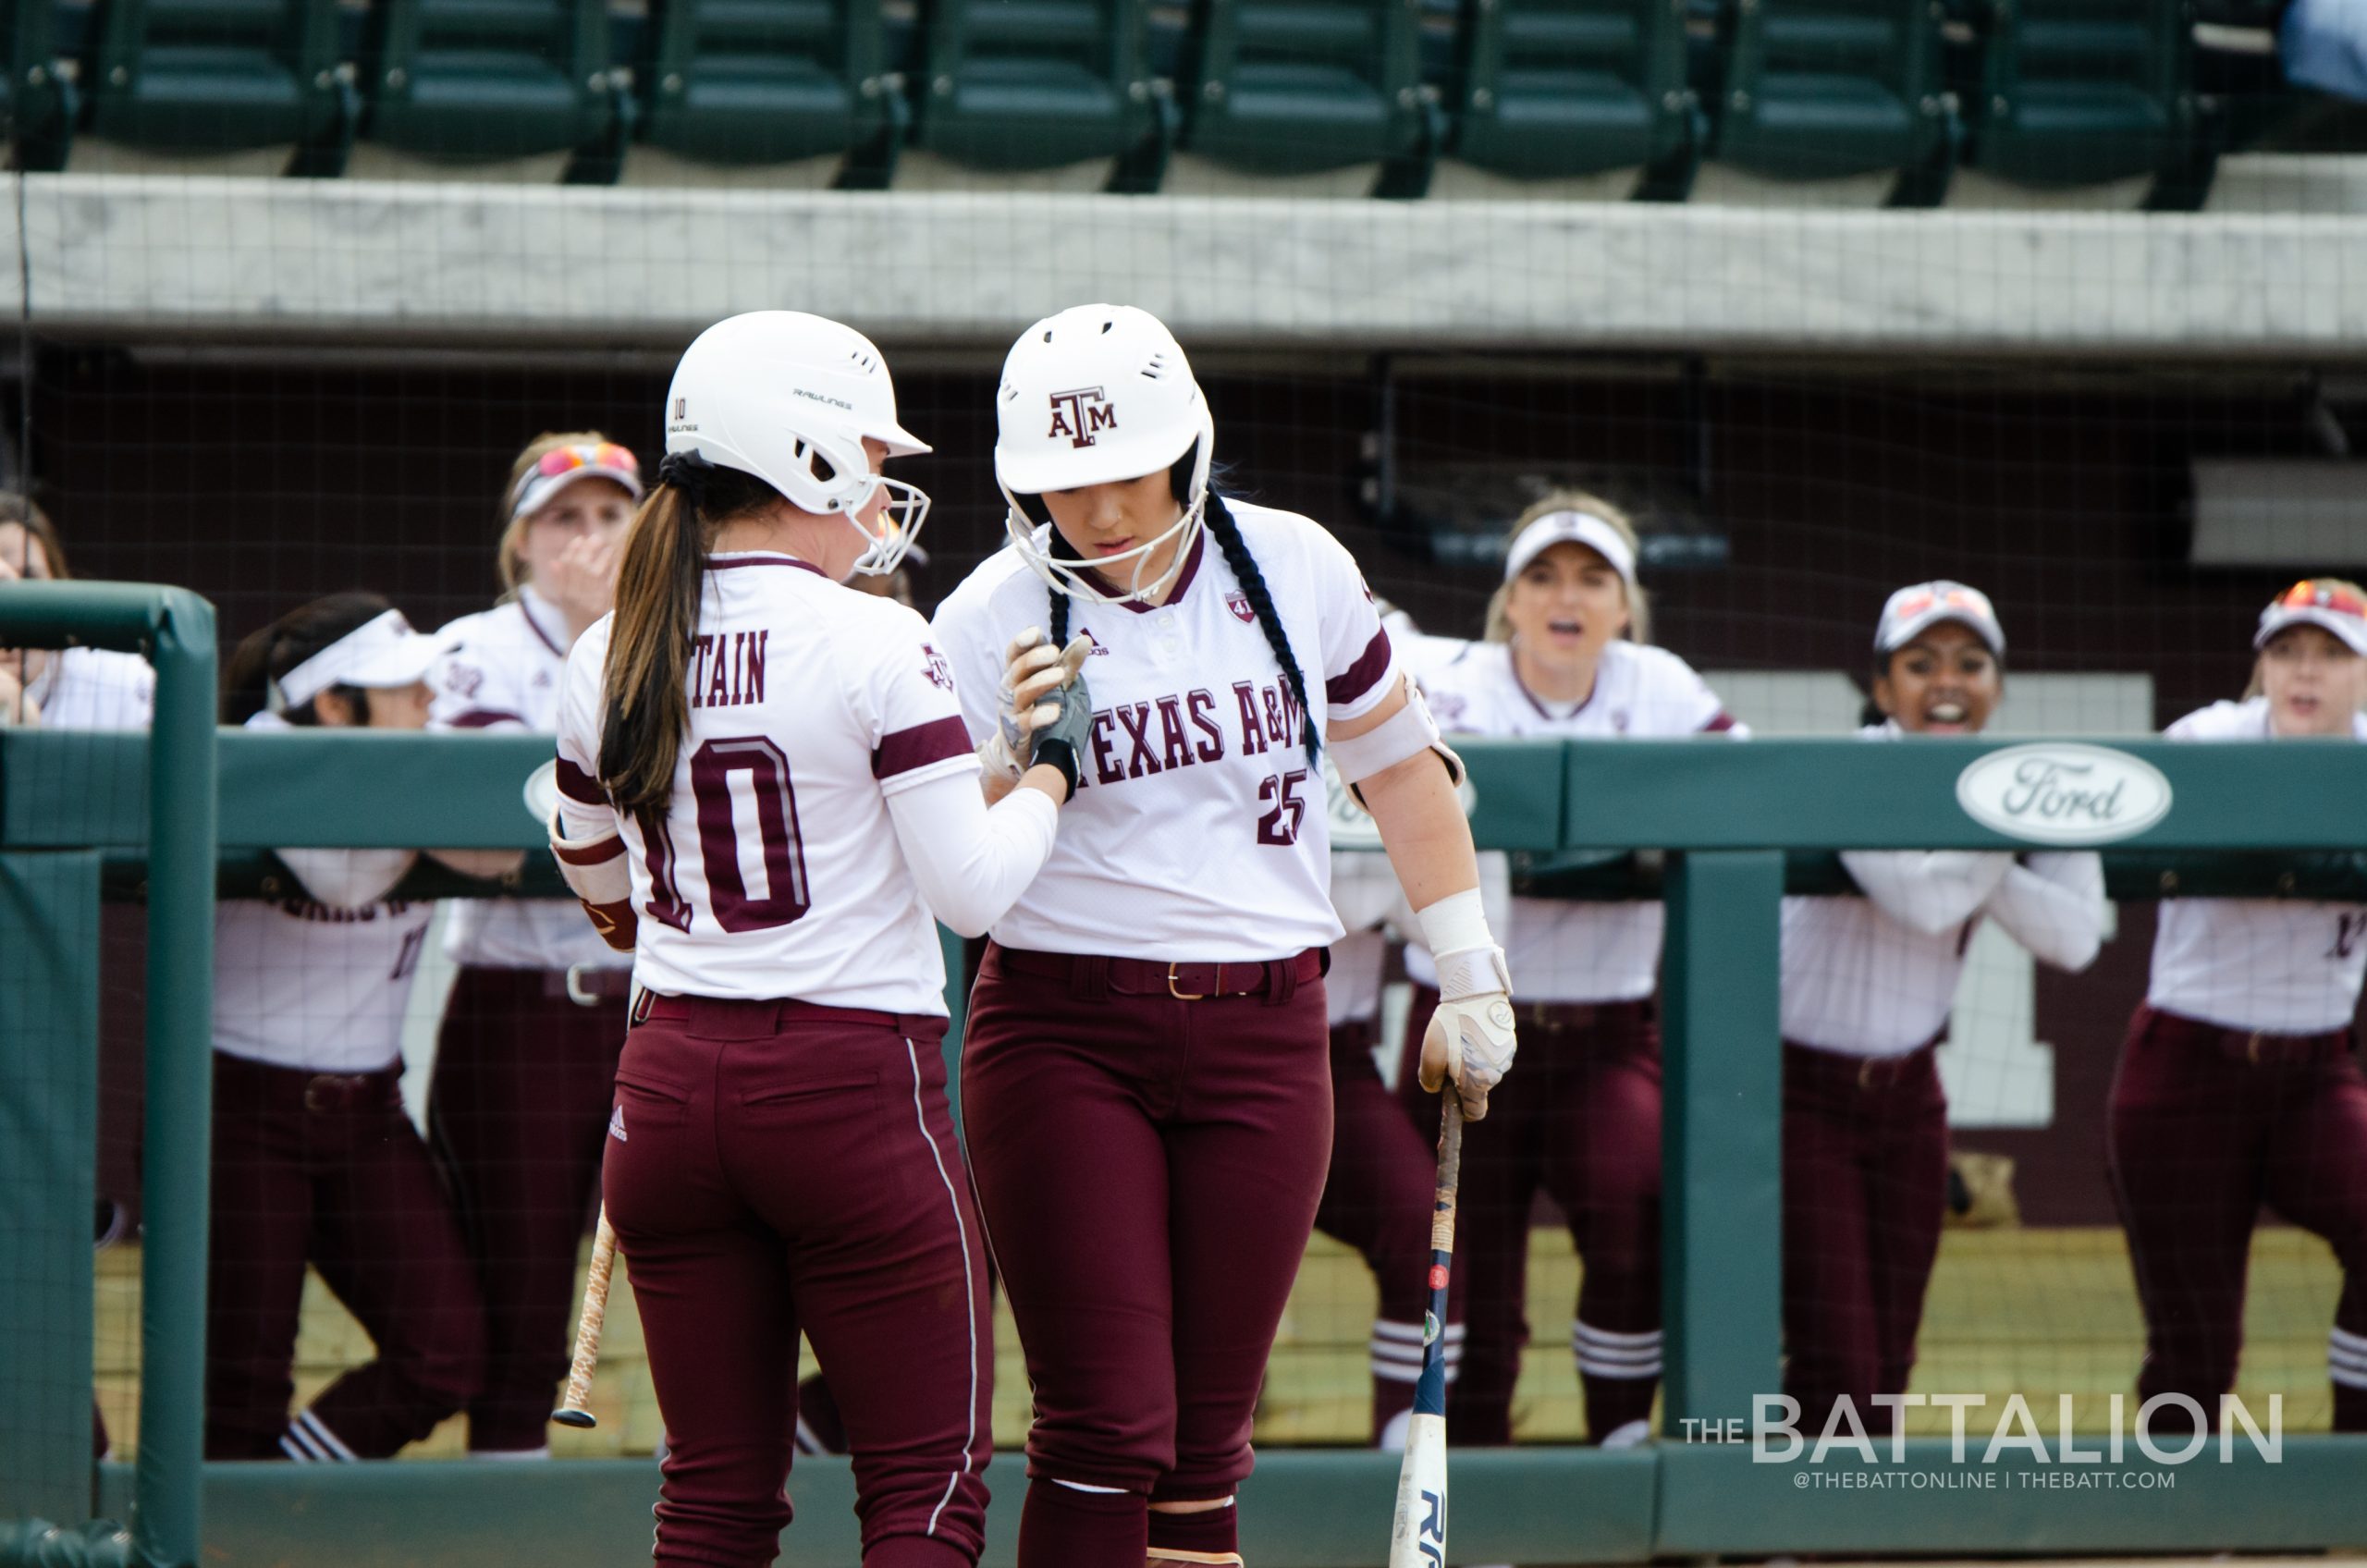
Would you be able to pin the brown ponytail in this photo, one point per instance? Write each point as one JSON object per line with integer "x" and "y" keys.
{"x": 646, "y": 687}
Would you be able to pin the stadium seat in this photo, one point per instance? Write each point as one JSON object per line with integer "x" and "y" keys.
{"x": 1030, "y": 84}
{"x": 771, "y": 81}
{"x": 480, "y": 79}
{"x": 218, "y": 76}
{"x": 1283, "y": 87}
{"x": 2080, "y": 91}
{"x": 37, "y": 102}
{"x": 1548, "y": 89}
{"x": 1818, "y": 89}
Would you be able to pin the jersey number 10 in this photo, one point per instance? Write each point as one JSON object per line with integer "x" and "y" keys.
{"x": 712, "y": 766}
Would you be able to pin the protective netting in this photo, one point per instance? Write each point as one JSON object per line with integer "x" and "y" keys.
{"x": 2129, "y": 431}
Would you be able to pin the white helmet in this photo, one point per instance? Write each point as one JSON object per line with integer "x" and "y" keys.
{"x": 789, "y": 397}
{"x": 1095, "y": 393}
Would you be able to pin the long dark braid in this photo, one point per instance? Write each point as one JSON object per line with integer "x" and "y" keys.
{"x": 1218, "y": 519}
{"x": 1227, "y": 533}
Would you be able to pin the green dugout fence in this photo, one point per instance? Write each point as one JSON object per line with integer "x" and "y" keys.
{"x": 1726, "y": 826}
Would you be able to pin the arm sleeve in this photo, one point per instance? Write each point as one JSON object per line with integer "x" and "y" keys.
{"x": 1929, "y": 892}
{"x": 906, "y": 697}
{"x": 1359, "y": 666}
{"x": 2054, "y": 904}
{"x": 583, "y": 808}
{"x": 348, "y": 878}
{"x": 970, "y": 861}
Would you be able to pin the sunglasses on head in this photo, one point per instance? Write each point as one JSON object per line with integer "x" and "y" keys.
{"x": 567, "y": 460}
{"x": 2313, "y": 594}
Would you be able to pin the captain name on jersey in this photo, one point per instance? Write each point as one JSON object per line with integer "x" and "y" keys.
{"x": 313, "y": 908}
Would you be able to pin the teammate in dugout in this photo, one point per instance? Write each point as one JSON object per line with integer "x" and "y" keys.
{"x": 1566, "y": 654}
{"x": 1145, "y": 1097}
{"x": 1868, "y": 983}
{"x": 2238, "y": 1082}
{"x": 527, "y": 1055}
{"x": 766, "y": 789}
{"x": 313, "y": 1157}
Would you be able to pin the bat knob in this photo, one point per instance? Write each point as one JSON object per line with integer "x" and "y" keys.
{"x": 571, "y": 1417}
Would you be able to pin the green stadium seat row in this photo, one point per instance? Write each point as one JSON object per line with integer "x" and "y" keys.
{"x": 2056, "y": 93}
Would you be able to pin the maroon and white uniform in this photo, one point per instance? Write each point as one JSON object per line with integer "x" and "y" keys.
{"x": 526, "y": 1057}
{"x": 2239, "y": 1085}
{"x": 315, "y": 1161}
{"x": 1585, "y": 1127}
{"x": 1381, "y": 1188}
{"x": 781, "y": 1156}
{"x": 1869, "y": 981}
{"x": 1146, "y": 1098}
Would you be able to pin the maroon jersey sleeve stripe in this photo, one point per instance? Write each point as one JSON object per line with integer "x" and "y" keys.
{"x": 938, "y": 740}
{"x": 590, "y": 855}
{"x": 477, "y": 718}
{"x": 579, "y": 786}
{"x": 1361, "y": 676}
{"x": 1725, "y": 721}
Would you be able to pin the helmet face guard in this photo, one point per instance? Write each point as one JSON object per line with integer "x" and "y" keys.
{"x": 792, "y": 399}
{"x": 1099, "y": 394}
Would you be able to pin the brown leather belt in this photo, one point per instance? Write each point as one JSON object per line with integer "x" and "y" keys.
{"x": 1091, "y": 974}
{"x": 2257, "y": 1047}
{"x": 1864, "y": 1072}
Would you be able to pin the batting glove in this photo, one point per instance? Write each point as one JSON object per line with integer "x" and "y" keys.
{"x": 1469, "y": 1040}
{"x": 1034, "y": 671}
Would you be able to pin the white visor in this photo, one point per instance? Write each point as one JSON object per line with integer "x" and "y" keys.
{"x": 1596, "y": 533}
{"x": 378, "y": 654}
{"x": 2351, "y": 629}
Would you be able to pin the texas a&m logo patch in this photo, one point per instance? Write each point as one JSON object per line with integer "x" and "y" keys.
{"x": 1081, "y": 415}
{"x": 1238, "y": 603}
{"x": 940, "y": 673}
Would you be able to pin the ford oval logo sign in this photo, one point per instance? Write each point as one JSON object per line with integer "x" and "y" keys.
{"x": 2060, "y": 792}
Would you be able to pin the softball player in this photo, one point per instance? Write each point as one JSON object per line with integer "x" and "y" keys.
{"x": 1145, "y": 1097}
{"x": 2238, "y": 1084}
{"x": 1868, "y": 983}
{"x": 766, "y": 788}
{"x": 62, "y": 688}
{"x": 526, "y": 1060}
{"x": 313, "y": 1159}
{"x": 1564, "y": 656}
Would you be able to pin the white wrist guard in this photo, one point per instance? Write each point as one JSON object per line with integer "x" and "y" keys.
{"x": 1409, "y": 732}
{"x": 595, "y": 869}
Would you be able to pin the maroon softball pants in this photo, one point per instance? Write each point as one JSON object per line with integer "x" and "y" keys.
{"x": 326, "y": 1167}
{"x": 516, "y": 1112}
{"x": 775, "y": 1167}
{"x": 1865, "y": 1187}
{"x": 1579, "y": 1119}
{"x": 1149, "y": 1169}
{"x": 1378, "y": 1196}
{"x": 2206, "y": 1125}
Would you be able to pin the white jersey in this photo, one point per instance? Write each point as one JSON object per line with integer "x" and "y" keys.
{"x": 95, "y": 689}
{"x": 1563, "y": 949}
{"x": 500, "y": 669}
{"x": 776, "y": 872}
{"x": 318, "y": 980}
{"x": 1875, "y": 974}
{"x": 1199, "y": 830}
{"x": 2283, "y": 966}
